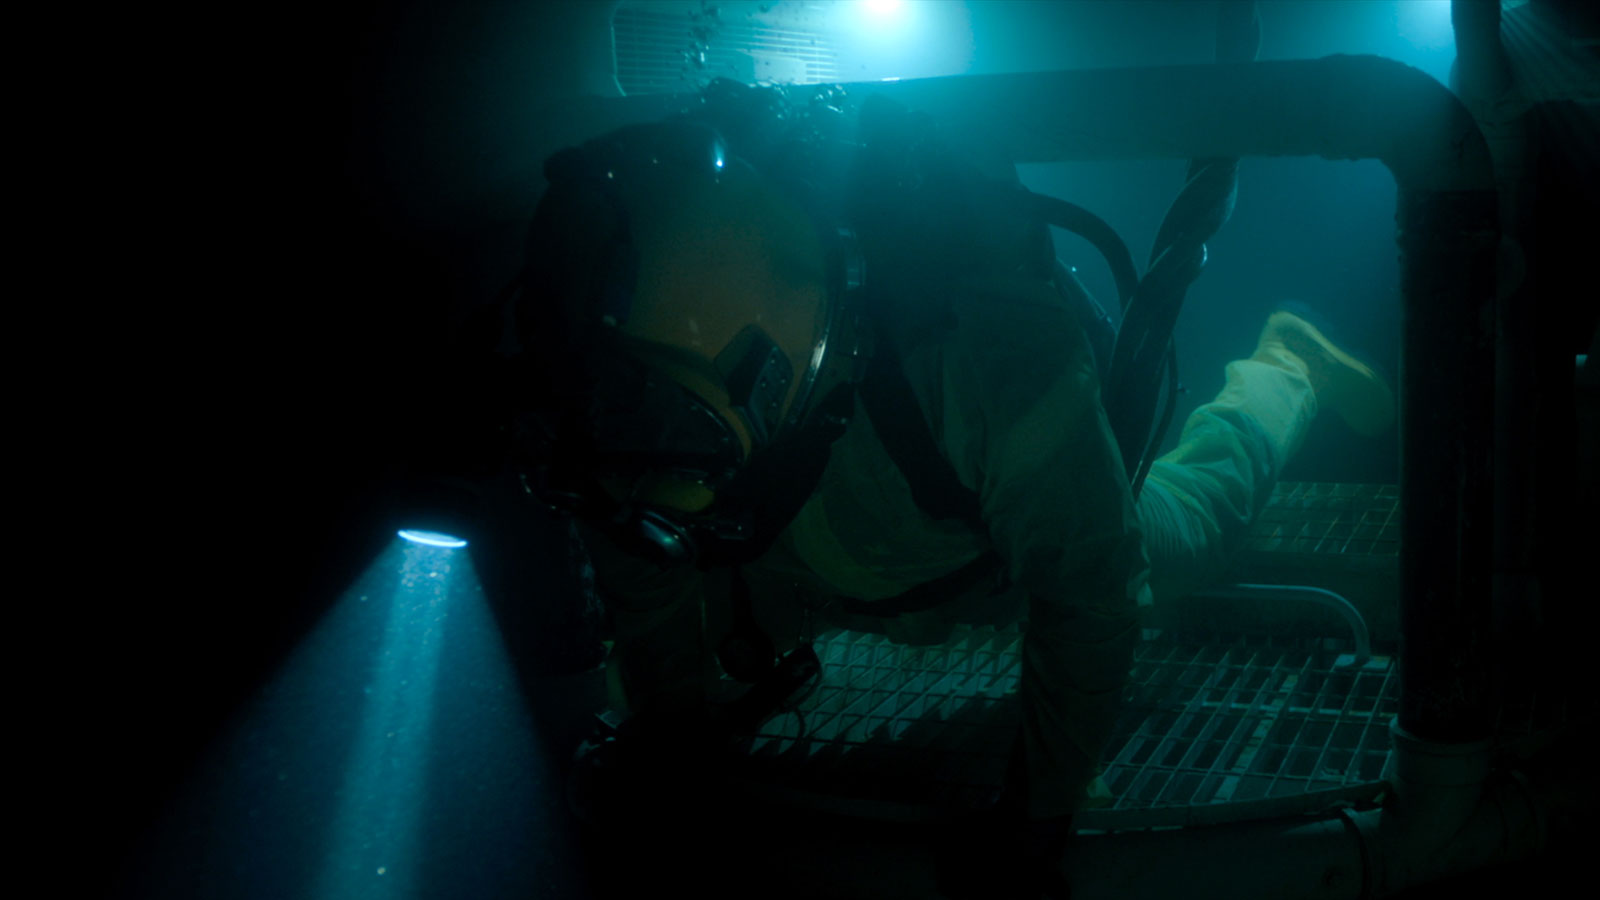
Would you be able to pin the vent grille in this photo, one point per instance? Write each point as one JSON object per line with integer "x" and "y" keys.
{"x": 662, "y": 52}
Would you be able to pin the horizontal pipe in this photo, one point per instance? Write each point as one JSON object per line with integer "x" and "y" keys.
{"x": 1299, "y": 858}
{"x": 1365, "y": 854}
{"x": 1446, "y": 812}
{"x": 1338, "y": 107}
{"x": 1202, "y": 815}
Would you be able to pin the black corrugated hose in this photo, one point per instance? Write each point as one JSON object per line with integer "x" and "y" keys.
{"x": 1144, "y": 349}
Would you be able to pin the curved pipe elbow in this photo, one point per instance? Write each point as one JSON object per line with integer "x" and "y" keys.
{"x": 1419, "y": 129}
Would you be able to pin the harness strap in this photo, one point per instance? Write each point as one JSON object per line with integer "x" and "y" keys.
{"x": 900, "y": 425}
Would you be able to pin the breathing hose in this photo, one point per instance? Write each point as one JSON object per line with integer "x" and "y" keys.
{"x": 1144, "y": 345}
{"x": 1092, "y": 228}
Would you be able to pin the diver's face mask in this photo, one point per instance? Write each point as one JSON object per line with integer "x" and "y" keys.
{"x": 689, "y": 377}
{"x": 648, "y": 458}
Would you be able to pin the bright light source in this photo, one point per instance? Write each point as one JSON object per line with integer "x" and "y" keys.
{"x": 433, "y": 538}
{"x": 1425, "y": 23}
{"x": 881, "y": 23}
{"x": 878, "y": 38}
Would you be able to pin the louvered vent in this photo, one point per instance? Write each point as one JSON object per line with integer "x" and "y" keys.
{"x": 674, "y": 52}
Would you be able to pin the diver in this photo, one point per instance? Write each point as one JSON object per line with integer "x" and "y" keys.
{"x": 794, "y": 370}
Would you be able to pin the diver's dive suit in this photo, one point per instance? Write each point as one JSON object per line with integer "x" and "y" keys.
{"x": 1011, "y": 396}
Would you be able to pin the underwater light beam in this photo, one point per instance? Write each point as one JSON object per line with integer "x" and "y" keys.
{"x": 378, "y": 828}
{"x": 327, "y": 783}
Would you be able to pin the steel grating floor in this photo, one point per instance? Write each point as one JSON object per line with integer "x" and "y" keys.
{"x": 1217, "y": 726}
{"x": 1329, "y": 519}
{"x": 915, "y": 733}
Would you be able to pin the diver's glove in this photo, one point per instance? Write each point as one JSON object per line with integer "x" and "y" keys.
{"x": 1001, "y": 855}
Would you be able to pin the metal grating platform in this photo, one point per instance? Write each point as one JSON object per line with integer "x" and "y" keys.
{"x": 1228, "y": 716}
{"x": 1340, "y": 537}
{"x": 1329, "y": 519}
{"x": 915, "y": 733}
{"x": 1224, "y": 724}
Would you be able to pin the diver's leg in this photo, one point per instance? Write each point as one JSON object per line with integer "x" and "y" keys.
{"x": 1199, "y": 500}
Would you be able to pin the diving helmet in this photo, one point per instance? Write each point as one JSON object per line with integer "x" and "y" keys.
{"x": 690, "y": 327}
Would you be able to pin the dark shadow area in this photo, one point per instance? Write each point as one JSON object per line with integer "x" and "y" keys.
{"x": 328, "y": 271}
{"x": 256, "y": 814}
{"x": 737, "y": 839}
{"x": 524, "y": 684}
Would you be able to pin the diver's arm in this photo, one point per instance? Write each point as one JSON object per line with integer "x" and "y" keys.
{"x": 1022, "y": 422}
{"x": 650, "y": 759}
{"x": 1081, "y": 564}
{"x": 658, "y": 663}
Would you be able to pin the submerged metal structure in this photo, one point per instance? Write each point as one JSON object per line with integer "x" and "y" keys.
{"x": 1443, "y": 811}
{"x": 1449, "y": 808}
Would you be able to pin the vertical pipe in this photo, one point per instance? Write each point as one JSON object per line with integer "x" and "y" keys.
{"x": 1447, "y": 244}
{"x": 1482, "y": 78}
{"x": 1481, "y": 68}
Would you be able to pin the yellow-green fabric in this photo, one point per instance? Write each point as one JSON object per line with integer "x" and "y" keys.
{"x": 1199, "y": 500}
{"x": 1011, "y": 396}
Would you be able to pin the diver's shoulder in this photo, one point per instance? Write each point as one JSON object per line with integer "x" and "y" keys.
{"x": 1001, "y": 312}
{"x": 1000, "y": 339}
